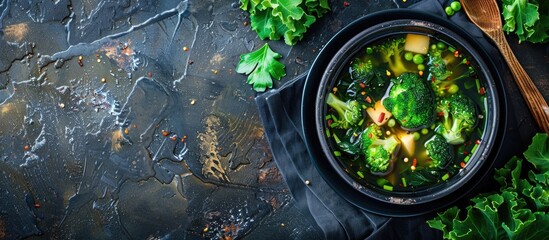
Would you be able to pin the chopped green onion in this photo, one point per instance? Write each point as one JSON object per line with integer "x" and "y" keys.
{"x": 477, "y": 81}
{"x": 364, "y": 106}
{"x": 369, "y": 50}
{"x": 381, "y": 181}
{"x": 445, "y": 177}
{"x": 360, "y": 174}
{"x": 474, "y": 148}
{"x": 328, "y": 134}
{"x": 337, "y": 153}
{"x": 361, "y": 122}
{"x": 388, "y": 188}
{"x": 467, "y": 158}
{"x": 404, "y": 182}
{"x": 334, "y": 124}
{"x": 336, "y": 138}
{"x": 451, "y": 49}
{"x": 328, "y": 117}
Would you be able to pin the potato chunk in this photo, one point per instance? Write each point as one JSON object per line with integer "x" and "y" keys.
{"x": 417, "y": 43}
{"x": 379, "y": 114}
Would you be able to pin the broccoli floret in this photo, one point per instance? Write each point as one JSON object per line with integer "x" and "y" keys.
{"x": 411, "y": 101}
{"x": 349, "y": 113}
{"x": 437, "y": 67}
{"x": 440, "y": 152}
{"x": 440, "y": 76}
{"x": 391, "y": 53}
{"x": 378, "y": 152}
{"x": 459, "y": 115}
{"x": 360, "y": 69}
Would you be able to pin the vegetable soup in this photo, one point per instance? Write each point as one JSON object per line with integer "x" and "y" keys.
{"x": 408, "y": 114}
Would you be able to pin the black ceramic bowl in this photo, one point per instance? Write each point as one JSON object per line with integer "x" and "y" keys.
{"x": 323, "y": 76}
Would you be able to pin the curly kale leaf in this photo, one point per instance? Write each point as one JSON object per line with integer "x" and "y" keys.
{"x": 518, "y": 211}
{"x": 288, "y": 19}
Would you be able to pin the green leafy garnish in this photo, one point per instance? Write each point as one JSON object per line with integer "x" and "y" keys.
{"x": 290, "y": 19}
{"x": 261, "y": 66}
{"x": 528, "y": 19}
{"x": 517, "y": 211}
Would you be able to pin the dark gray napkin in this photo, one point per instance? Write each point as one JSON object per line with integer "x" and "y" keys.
{"x": 337, "y": 218}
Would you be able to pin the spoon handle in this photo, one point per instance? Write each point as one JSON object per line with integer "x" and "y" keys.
{"x": 535, "y": 101}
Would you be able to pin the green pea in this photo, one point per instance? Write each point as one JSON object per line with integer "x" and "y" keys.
{"x": 433, "y": 47}
{"x": 369, "y": 50}
{"x": 416, "y": 136}
{"x": 456, "y": 6}
{"x": 441, "y": 45}
{"x": 453, "y": 89}
{"x": 420, "y": 67}
{"x": 424, "y": 131}
{"x": 449, "y": 11}
{"x": 418, "y": 59}
{"x": 391, "y": 122}
{"x": 408, "y": 56}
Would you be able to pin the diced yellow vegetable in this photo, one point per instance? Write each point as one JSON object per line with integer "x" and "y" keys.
{"x": 407, "y": 143}
{"x": 417, "y": 43}
{"x": 379, "y": 114}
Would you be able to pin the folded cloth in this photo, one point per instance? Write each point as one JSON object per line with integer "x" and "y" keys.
{"x": 337, "y": 218}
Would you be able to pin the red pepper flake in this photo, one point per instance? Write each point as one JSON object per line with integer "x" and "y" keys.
{"x": 184, "y": 136}
{"x": 330, "y": 121}
{"x": 433, "y": 79}
{"x": 381, "y": 117}
{"x": 414, "y": 162}
{"x": 462, "y": 164}
{"x": 363, "y": 93}
{"x": 164, "y": 133}
{"x": 37, "y": 205}
{"x": 368, "y": 99}
{"x": 481, "y": 91}
{"x": 245, "y": 24}
{"x": 26, "y": 147}
{"x": 369, "y": 135}
{"x": 436, "y": 64}
{"x": 346, "y": 4}
{"x": 149, "y": 74}
{"x": 465, "y": 152}
{"x": 440, "y": 114}
{"x": 362, "y": 85}
{"x": 185, "y": 49}
{"x": 477, "y": 142}
{"x": 191, "y": 62}
{"x": 174, "y": 137}
{"x": 80, "y": 63}
{"x": 467, "y": 63}
{"x": 456, "y": 53}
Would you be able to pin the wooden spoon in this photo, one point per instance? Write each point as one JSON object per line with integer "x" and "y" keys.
{"x": 486, "y": 15}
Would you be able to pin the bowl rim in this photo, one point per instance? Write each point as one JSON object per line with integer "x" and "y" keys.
{"x": 391, "y": 204}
